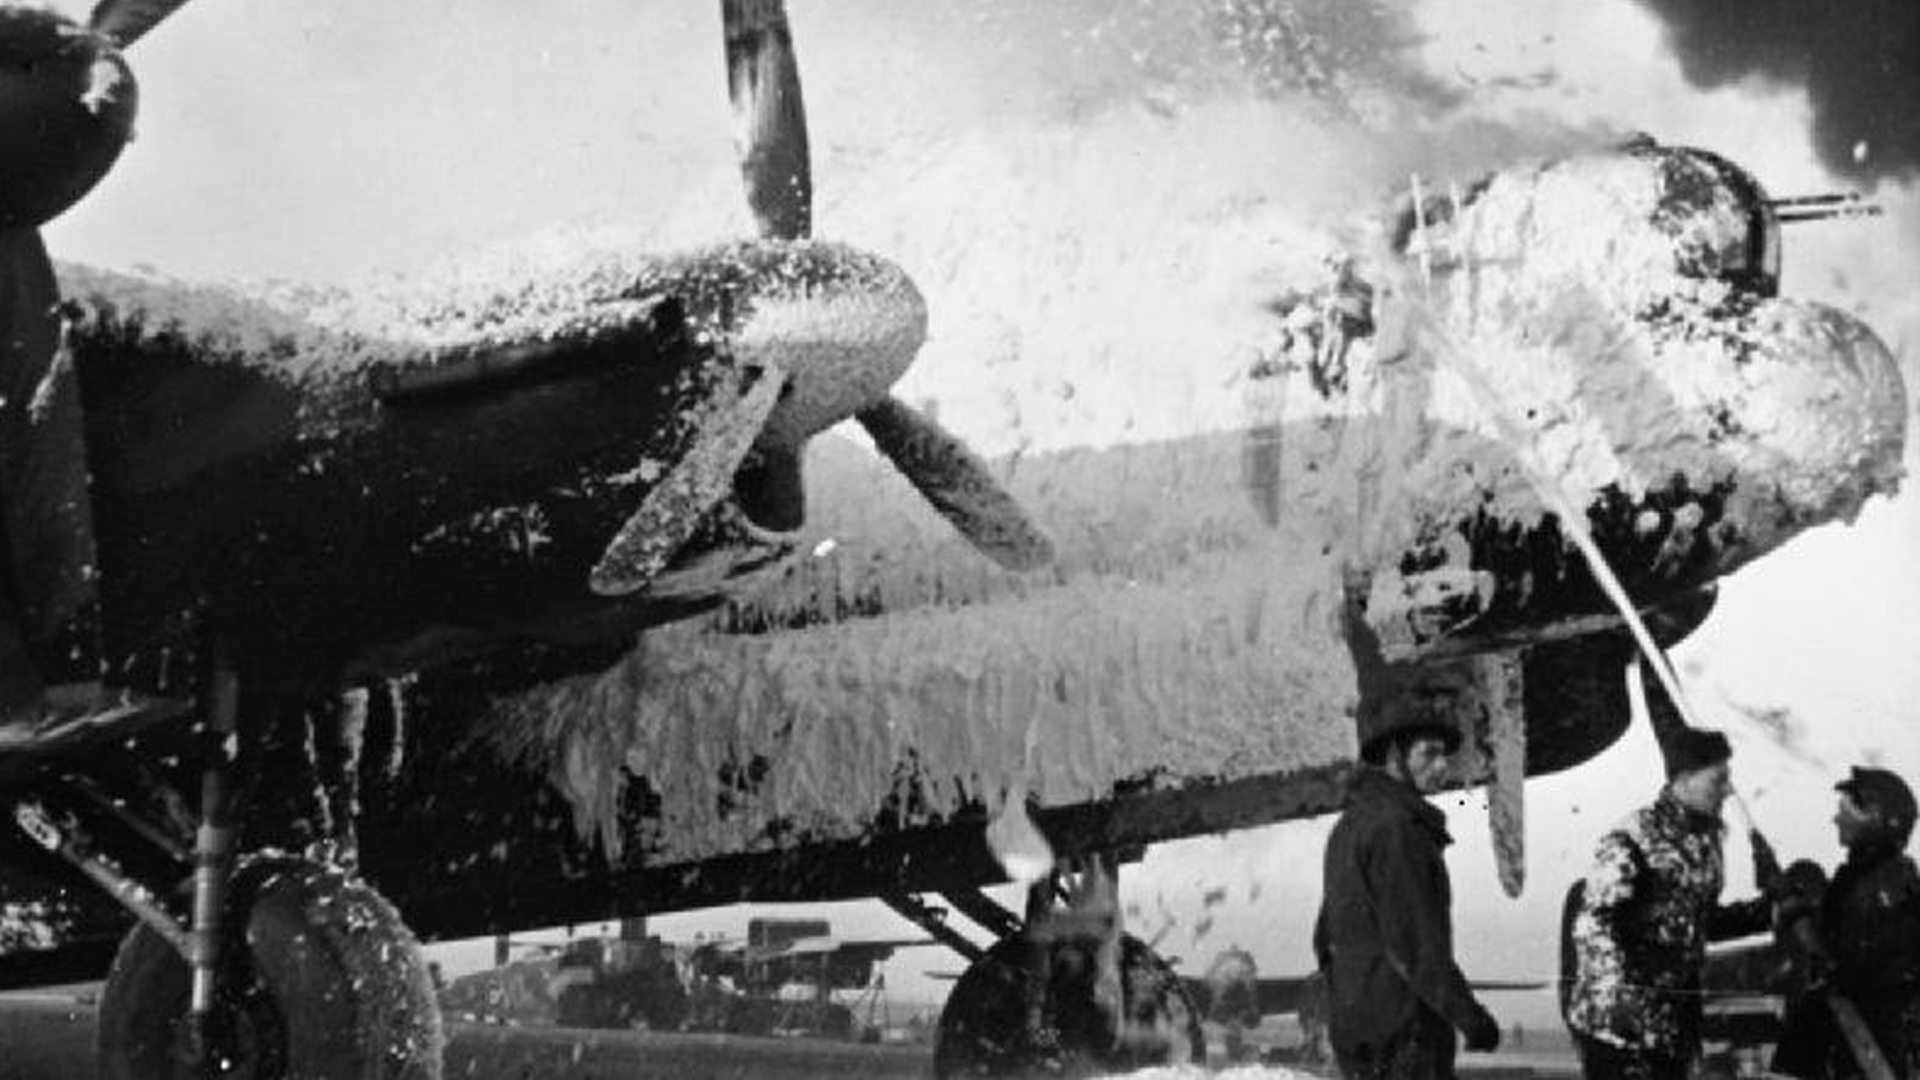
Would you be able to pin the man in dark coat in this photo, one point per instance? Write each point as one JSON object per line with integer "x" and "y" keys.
{"x": 1865, "y": 943}
{"x": 1640, "y": 927}
{"x": 1384, "y": 937}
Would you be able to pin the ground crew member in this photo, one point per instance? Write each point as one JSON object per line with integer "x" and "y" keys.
{"x": 1866, "y": 940}
{"x": 1384, "y": 937}
{"x": 1639, "y": 928}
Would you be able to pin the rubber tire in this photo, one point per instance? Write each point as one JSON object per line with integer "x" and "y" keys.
{"x": 330, "y": 986}
{"x": 982, "y": 1028}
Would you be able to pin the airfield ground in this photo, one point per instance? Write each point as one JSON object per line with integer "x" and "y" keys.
{"x": 49, "y": 1036}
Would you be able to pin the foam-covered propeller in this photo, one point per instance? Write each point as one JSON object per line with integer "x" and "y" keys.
{"x": 675, "y": 507}
{"x": 957, "y": 483}
{"x": 770, "y": 123}
{"x": 763, "y": 79}
{"x": 748, "y": 435}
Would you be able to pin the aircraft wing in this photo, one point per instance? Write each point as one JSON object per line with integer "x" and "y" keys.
{"x": 1190, "y": 628}
{"x": 1272, "y": 996}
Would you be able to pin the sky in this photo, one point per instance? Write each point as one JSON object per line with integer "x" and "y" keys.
{"x": 1074, "y": 187}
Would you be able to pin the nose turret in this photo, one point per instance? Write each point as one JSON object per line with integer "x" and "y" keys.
{"x": 1602, "y": 334}
{"x": 1721, "y": 221}
{"x": 1640, "y": 227}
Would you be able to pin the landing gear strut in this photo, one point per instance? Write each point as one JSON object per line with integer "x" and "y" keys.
{"x": 281, "y": 967}
{"x": 320, "y": 979}
{"x": 212, "y": 870}
{"x": 1069, "y": 993}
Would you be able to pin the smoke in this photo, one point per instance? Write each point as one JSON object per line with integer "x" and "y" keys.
{"x": 1859, "y": 63}
{"x": 1085, "y": 189}
{"x": 1076, "y": 59}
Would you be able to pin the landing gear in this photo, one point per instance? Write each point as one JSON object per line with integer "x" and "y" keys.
{"x": 986, "y": 1028}
{"x": 321, "y": 980}
{"x": 1068, "y": 993}
{"x": 265, "y": 968}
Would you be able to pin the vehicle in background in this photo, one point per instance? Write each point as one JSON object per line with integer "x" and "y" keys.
{"x": 789, "y": 977}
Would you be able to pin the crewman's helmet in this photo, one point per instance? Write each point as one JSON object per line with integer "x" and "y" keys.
{"x": 1885, "y": 795}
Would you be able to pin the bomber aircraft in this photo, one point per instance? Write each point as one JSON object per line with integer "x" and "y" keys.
{"x": 454, "y": 614}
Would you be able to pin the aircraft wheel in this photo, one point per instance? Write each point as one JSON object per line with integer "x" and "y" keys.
{"x": 984, "y": 1029}
{"x": 326, "y": 984}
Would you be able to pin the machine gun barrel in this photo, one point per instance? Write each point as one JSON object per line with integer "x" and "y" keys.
{"x": 1820, "y": 207}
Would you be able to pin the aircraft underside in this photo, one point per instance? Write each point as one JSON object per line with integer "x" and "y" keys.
{"x": 430, "y": 613}
{"x": 854, "y": 723}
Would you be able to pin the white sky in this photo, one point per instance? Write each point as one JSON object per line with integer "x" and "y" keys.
{"x": 329, "y": 141}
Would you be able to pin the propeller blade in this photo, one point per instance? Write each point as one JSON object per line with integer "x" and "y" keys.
{"x": 124, "y": 22}
{"x": 675, "y": 507}
{"x": 958, "y": 485}
{"x": 47, "y": 519}
{"x": 728, "y": 553}
{"x": 770, "y": 124}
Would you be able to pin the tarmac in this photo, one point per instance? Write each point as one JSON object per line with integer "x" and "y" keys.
{"x": 51, "y": 1036}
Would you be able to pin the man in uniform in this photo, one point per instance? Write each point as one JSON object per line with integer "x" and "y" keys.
{"x": 1865, "y": 940}
{"x": 1384, "y": 937}
{"x": 1640, "y": 927}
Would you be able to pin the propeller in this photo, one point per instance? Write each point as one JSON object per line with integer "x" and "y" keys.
{"x": 675, "y": 507}
{"x": 124, "y": 22}
{"x": 46, "y": 528}
{"x": 740, "y": 461}
{"x": 957, "y": 483}
{"x": 67, "y": 102}
{"x": 763, "y": 79}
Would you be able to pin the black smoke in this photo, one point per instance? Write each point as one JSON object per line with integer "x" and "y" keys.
{"x": 1859, "y": 61}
